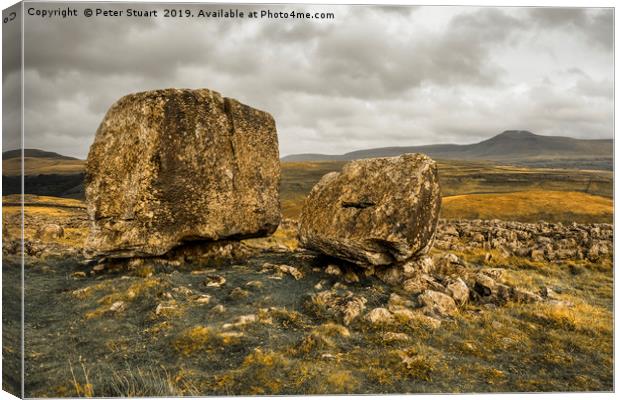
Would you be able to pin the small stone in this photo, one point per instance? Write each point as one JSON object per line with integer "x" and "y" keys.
{"x": 50, "y": 232}
{"x": 485, "y": 285}
{"x": 255, "y": 284}
{"x": 478, "y": 237}
{"x": 525, "y": 296}
{"x": 392, "y": 275}
{"x": 165, "y": 308}
{"x": 99, "y": 267}
{"x": 202, "y": 271}
{"x": 459, "y": 291}
{"x": 241, "y": 321}
{"x": 351, "y": 277}
{"x": 333, "y": 270}
{"x": 537, "y": 255}
{"x": 185, "y": 291}
{"x": 411, "y": 318}
{"x": 78, "y": 274}
{"x": 414, "y": 286}
{"x": 549, "y": 293}
{"x": 203, "y": 299}
{"x": 398, "y": 302}
{"x": 229, "y": 337}
{"x": 319, "y": 285}
{"x": 118, "y": 306}
{"x": 215, "y": 281}
{"x": 294, "y": 272}
{"x": 220, "y": 309}
{"x": 438, "y": 303}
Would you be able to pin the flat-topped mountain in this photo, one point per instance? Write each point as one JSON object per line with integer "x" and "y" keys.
{"x": 514, "y": 146}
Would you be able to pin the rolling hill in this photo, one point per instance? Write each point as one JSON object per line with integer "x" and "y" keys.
{"x": 39, "y": 162}
{"x": 512, "y": 147}
{"x": 36, "y": 153}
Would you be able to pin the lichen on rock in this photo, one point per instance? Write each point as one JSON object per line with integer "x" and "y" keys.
{"x": 375, "y": 212}
{"x": 178, "y": 165}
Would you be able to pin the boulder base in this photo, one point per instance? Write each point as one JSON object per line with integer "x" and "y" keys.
{"x": 172, "y": 166}
{"x": 377, "y": 211}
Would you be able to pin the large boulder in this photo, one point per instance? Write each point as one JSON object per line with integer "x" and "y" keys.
{"x": 377, "y": 211}
{"x": 177, "y": 165}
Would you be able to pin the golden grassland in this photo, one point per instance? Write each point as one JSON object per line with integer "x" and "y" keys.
{"x": 469, "y": 178}
{"x": 516, "y": 347}
{"x": 530, "y": 206}
{"x": 42, "y": 165}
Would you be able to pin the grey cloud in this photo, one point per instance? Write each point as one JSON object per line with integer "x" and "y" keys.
{"x": 374, "y": 76}
{"x": 596, "y": 25}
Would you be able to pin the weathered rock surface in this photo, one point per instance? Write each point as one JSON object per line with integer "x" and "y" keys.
{"x": 172, "y": 166}
{"x": 543, "y": 241}
{"x": 377, "y": 211}
{"x": 50, "y": 232}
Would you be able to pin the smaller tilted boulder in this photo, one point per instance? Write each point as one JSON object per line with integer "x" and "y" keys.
{"x": 375, "y": 212}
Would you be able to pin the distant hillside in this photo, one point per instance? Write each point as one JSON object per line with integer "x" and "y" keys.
{"x": 35, "y": 153}
{"x": 518, "y": 147}
{"x": 40, "y": 162}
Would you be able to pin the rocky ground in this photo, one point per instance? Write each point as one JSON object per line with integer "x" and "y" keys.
{"x": 500, "y": 306}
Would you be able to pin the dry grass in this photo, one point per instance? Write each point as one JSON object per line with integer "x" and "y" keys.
{"x": 531, "y": 206}
{"x": 42, "y": 165}
{"x": 196, "y": 339}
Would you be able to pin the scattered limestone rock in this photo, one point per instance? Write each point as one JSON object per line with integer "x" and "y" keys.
{"x": 525, "y": 296}
{"x": 203, "y": 299}
{"x": 333, "y": 270}
{"x": 392, "y": 275}
{"x": 241, "y": 321}
{"x": 351, "y": 277}
{"x": 330, "y": 303}
{"x": 255, "y": 284}
{"x": 50, "y": 232}
{"x": 176, "y": 165}
{"x": 215, "y": 281}
{"x": 166, "y": 308}
{"x": 397, "y": 302}
{"x": 294, "y": 272}
{"x": 118, "y": 306}
{"x": 220, "y": 309}
{"x": 437, "y": 303}
{"x": 416, "y": 318}
{"x": 280, "y": 270}
{"x": 78, "y": 274}
{"x": 377, "y": 211}
{"x": 459, "y": 291}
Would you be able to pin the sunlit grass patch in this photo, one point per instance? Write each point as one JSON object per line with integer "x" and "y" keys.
{"x": 530, "y": 206}
{"x": 580, "y": 317}
{"x": 195, "y": 339}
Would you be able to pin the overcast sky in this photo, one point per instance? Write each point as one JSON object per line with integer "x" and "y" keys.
{"x": 372, "y": 77}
